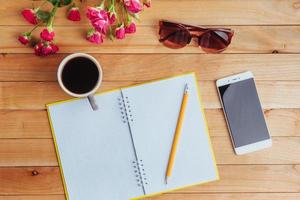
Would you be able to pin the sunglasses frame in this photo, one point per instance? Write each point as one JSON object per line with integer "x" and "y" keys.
{"x": 193, "y": 31}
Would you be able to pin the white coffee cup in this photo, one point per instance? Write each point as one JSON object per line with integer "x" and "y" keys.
{"x": 90, "y": 93}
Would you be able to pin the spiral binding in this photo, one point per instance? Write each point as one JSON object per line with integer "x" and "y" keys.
{"x": 140, "y": 173}
{"x": 125, "y": 109}
{"x": 128, "y": 109}
{"x": 138, "y": 165}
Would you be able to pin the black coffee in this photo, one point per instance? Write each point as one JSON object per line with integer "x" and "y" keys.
{"x": 80, "y": 75}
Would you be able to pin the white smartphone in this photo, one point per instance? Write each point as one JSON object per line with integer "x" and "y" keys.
{"x": 243, "y": 113}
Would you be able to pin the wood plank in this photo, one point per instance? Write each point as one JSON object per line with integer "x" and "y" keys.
{"x": 281, "y": 152}
{"x": 30, "y": 180}
{"x": 255, "y": 12}
{"x": 151, "y": 66}
{"x": 219, "y": 196}
{"x": 37, "y": 197}
{"x": 254, "y": 178}
{"x": 234, "y": 178}
{"x": 24, "y": 124}
{"x": 34, "y": 123}
{"x": 274, "y": 117}
{"x": 247, "y": 39}
{"x": 40, "y": 152}
{"x": 27, "y": 152}
{"x": 230, "y": 196}
{"x": 278, "y": 84}
{"x": 34, "y": 95}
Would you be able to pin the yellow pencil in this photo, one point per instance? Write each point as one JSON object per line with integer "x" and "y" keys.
{"x": 177, "y": 133}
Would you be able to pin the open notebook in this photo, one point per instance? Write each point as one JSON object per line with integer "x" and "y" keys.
{"x": 121, "y": 151}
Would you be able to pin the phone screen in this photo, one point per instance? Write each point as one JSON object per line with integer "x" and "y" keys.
{"x": 243, "y": 112}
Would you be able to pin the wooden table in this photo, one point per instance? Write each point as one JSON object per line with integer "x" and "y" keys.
{"x": 266, "y": 41}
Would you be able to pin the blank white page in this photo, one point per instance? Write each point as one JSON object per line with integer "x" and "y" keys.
{"x": 95, "y": 149}
{"x": 155, "y": 108}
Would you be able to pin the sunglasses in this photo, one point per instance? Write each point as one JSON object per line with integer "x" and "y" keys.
{"x": 211, "y": 40}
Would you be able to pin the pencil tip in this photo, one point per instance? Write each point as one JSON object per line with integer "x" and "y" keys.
{"x": 166, "y": 180}
{"x": 186, "y": 88}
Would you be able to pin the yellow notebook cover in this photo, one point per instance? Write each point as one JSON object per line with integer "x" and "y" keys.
{"x": 138, "y": 171}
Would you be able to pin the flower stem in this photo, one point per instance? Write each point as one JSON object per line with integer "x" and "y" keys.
{"x": 111, "y": 37}
{"x": 34, "y": 27}
{"x": 102, "y": 4}
{"x": 113, "y": 3}
{"x": 52, "y": 15}
{"x": 43, "y": 3}
{"x": 37, "y": 9}
{"x": 111, "y": 7}
{"x": 127, "y": 16}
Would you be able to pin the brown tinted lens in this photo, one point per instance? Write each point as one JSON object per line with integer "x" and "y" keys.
{"x": 174, "y": 37}
{"x": 215, "y": 41}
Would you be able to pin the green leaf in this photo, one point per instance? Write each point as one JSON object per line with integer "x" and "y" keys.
{"x": 43, "y": 15}
{"x": 60, "y": 3}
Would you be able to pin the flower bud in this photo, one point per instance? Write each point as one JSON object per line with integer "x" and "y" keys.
{"x": 112, "y": 17}
{"x": 94, "y": 36}
{"x": 24, "y": 38}
{"x": 131, "y": 28}
{"x": 74, "y": 14}
{"x": 120, "y": 32}
{"x": 133, "y": 6}
{"x": 30, "y": 16}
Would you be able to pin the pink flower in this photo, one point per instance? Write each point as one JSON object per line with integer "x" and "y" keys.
{"x": 92, "y": 13}
{"x": 45, "y": 48}
{"x": 30, "y": 15}
{"x": 38, "y": 49}
{"x": 111, "y": 17}
{"x": 99, "y": 19}
{"x": 147, "y": 3}
{"x": 25, "y": 38}
{"x": 54, "y": 47}
{"x": 94, "y": 36}
{"x": 120, "y": 32}
{"x": 47, "y": 35}
{"x": 74, "y": 14}
{"x": 133, "y": 6}
{"x": 131, "y": 28}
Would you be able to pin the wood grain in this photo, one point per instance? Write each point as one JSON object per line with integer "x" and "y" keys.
{"x": 240, "y": 196}
{"x": 34, "y": 95}
{"x": 27, "y": 152}
{"x": 266, "y": 42}
{"x": 36, "y": 197}
{"x": 152, "y": 66}
{"x": 220, "y": 196}
{"x": 23, "y": 181}
{"x": 254, "y": 178}
{"x": 40, "y": 152}
{"x": 16, "y": 124}
{"x": 211, "y": 12}
{"x": 234, "y": 178}
{"x": 24, "y": 124}
{"x": 281, "y": 152}
{"x": 247, "y": 39}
